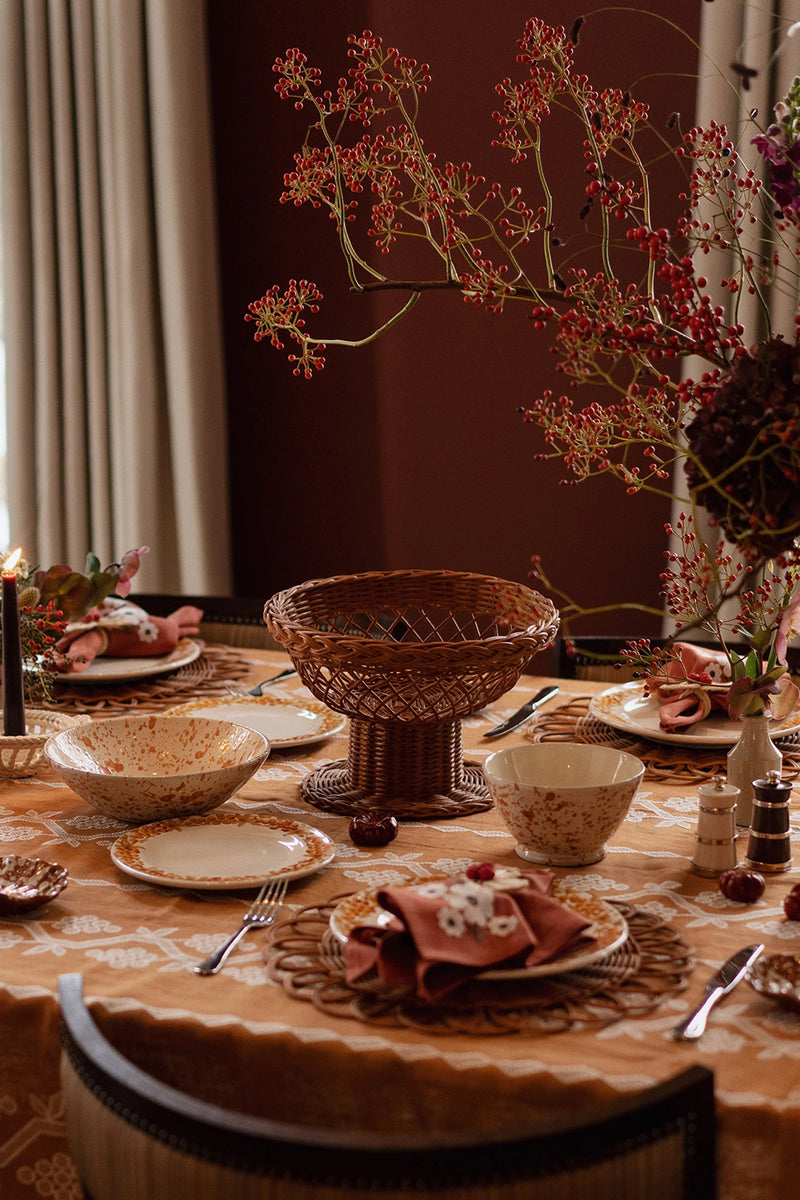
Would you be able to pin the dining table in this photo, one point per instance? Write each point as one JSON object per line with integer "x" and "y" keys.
{"x": 279, "y": 1028}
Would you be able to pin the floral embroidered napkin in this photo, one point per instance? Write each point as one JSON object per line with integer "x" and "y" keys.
{"x": 697, "y": 682}
{"x": 694, "y": 682}
{"x": 445, "y": 932}
{"x": 120, "y": 629}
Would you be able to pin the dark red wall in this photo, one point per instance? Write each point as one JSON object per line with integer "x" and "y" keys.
{"x": 411, "y": 453}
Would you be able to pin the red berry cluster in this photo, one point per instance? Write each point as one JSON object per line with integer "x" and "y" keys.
{"x": 41, "y": 627}
{"x": 615, "y": 325}
{"x": 280, "y": 312}
{"x": 481, "y": 871}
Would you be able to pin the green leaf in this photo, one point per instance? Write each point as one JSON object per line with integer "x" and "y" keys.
{"x": 761, "y": 640}
{"x": 104, "y": 583}
{"x": 752, "y": 665}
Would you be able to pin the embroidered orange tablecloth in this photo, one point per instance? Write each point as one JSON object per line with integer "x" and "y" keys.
{"x": 240, "y": 1038}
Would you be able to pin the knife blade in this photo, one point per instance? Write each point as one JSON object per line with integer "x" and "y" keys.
{"x": 522, "y": 714}
{"x": 721, "y": 982}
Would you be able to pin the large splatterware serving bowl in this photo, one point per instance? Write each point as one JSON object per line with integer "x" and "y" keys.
{"x": 150, "y": 768}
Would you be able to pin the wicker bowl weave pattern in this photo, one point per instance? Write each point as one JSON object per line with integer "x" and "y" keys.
{"x": 21, "y": 755}
{"x": 405, "y": 655}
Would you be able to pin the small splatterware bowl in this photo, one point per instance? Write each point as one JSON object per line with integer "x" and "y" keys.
{"x": 27, "y": 883}
{"x": 150, "y": 768}
{"x": 562, "y": 801}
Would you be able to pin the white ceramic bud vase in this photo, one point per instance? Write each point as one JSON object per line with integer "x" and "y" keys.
{"x": 751, "y": 758}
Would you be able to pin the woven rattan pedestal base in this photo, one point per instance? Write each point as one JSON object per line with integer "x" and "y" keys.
{"x": 415, "y": 771}
{"x": 405, "y": 655}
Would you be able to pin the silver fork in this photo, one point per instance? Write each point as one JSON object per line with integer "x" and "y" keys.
{"x": 259, "y": 688}
{"x": 261, "y": 912}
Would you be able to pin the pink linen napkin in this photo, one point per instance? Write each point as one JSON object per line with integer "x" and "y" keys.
{"x": 117, "y": 628}
{"x": 694, "y": 682}
{"x": 697, "y": 682}
{"x": 445, "y": 932}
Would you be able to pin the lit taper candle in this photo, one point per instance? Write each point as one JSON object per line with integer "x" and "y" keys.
{"x": 13, "y": 693}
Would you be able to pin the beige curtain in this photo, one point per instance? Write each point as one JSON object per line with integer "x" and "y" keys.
{"x": 116, "y": 405}
{"x": 755, "y": 34}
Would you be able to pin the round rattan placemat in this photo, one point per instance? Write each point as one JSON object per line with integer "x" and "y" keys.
{"x": 653, "y": 964}
{"x": 571, "y": 722}
{"x": 216, "y": 671}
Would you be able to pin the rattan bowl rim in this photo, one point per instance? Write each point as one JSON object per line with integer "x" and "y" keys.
{"x": 277, "y": 619}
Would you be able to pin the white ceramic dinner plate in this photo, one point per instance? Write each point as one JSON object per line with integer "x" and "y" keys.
{"x": 222, "y": 850}
{"x": 119, "y": 670}
{"x": 609, "y": 927}
{"x": 285, "y": 723}
{"x": 626, "y": 708}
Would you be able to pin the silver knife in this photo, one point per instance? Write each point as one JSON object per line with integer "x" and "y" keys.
{"x": 522, "y": 714}
{"x": 721, "y": 982}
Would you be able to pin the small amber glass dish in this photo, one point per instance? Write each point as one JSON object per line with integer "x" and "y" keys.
{"x": 27, "y": 883}
{"x": 777, "y": 976}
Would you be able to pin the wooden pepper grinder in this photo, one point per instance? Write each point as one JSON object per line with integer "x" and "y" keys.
{"x": 715, "y": 842}
{"x": 769, "y": 845}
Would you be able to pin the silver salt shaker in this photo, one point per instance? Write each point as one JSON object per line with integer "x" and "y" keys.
{"x": 715, "y": 840}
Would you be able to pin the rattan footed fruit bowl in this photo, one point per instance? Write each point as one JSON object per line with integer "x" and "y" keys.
{"x": 405, "y": 655}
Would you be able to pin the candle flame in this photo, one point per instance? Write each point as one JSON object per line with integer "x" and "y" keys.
{"x": 11, "y": 561}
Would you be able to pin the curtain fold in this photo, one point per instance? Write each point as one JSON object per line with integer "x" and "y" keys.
{"x": 755, "y": 35}
{"x": 116, "y": 399}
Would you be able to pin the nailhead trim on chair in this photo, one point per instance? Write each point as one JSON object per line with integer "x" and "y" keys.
{"x": 315, "y": 1157}
{"x": 197, "y": 1149}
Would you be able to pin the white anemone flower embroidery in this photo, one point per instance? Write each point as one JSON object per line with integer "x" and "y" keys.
{"x": 147, "y": 631}
{"x": 451, "y": 921}
{"x": 719, "y": 672}
{"x": 507, "y": 879}
{"x": 503, "y": 926}
{"x": 432, "y": 890}
{"x": 476, "y": 901}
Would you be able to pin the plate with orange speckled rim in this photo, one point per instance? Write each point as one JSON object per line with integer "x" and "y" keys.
{"x": 119, "y": 670}
{"x": 222, "y": 850}
{"x": 608, "y": 927}
{"x": 285, "y": 723}
{"x": 626, "y": 708}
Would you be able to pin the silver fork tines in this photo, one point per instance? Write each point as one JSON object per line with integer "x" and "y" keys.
{"x": 261, "y": 912}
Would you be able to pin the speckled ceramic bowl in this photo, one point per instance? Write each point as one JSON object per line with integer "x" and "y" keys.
{"x": 28, "y": 883}
{"x": 562, "y": 800}
{"x": 149, "y": 768}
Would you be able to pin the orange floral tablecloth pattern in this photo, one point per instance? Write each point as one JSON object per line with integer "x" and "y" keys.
{"x": 135, "y": 944}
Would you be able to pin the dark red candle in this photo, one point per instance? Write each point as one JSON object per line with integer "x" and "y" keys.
{"x": 13, "y": 693}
